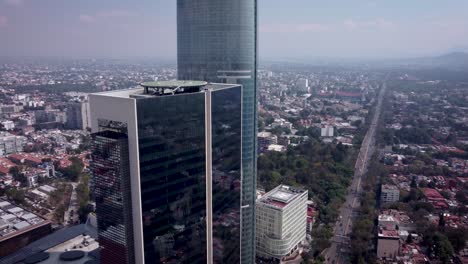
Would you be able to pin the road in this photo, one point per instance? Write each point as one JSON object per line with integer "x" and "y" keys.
{"x": 71, "y": 215}
{"x": 336, "y": 253}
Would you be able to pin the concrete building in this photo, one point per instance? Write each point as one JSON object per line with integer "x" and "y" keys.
{"x": 74, "y": 116}
{"x": 388, "y": 244}
{"x": 387, "y": 221}
{"x": 389, "y": 194}
{"x": 8, "y": 109}
{"x": 302, "y": 85}
{"x": 266, "y": 139}
{"x": 281, "y": 222}
{"x": 277, "y": 148}
{"x": 326, "y": 130}
{"x": 166, "y": 165}
{"x": 11, "y": 144}
{"x": 85, "y": 115}
{"x": 8, "y": 125}
{"x": 50, "y": 118}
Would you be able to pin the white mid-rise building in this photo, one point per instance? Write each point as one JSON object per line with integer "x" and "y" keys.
{"x": 281, "y": 222}
{"x": 11, "y": 144}
{"x": 326, "y": 131}
{"x": 389, "y": 194}
{"x": 265, "y": 139}
{"x": 86, "y": 115}
{"x": 8, "y": 125}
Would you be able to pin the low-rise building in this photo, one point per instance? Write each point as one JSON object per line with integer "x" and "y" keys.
{"x": 281, "y": 222}
{"x": 435, "y": 198}
{"x": 8, "y": 125}
{"x": 387, "y": 222}
{"x": 277, "y": 148}
{"x": 388, "y": 244}
{"x": 19, "y": 227}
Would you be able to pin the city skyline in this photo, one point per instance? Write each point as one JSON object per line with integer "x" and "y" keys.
{"x": 303, "y": 29}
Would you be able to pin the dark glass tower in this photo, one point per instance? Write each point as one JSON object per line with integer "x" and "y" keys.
{"x": 217, "y": 43}
{"x": 112, "y": 193}
{"x": 170, "y": 157}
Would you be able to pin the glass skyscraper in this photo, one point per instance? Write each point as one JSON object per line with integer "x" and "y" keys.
{"x": 217, "y": 42}
{"x": 167, "y": 167}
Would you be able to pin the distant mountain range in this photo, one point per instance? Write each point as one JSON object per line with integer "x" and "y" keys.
{"x": 452, "y": 59}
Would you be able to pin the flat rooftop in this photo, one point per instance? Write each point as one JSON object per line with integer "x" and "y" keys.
{"x": 389, "y": 187}
{"x": 156, "y": 89}
{"x": 384, "y": 217}
{"x": 70, "y": 238}
{"x": 14, "y": 220}
{"x": 173, "y": 84}
{"x": 281, "y": 196}
{"x": 392, "y": 234}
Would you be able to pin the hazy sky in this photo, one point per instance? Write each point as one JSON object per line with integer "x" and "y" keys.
{"x": 288, "y": 28}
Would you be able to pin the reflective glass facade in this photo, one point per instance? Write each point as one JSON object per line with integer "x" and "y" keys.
{"x": 110, "y": 171}
{"x": 171, "y": 133}
{"x": 217, "y": 43}
{"x": 180, "y": 162}
{"x": 226, "y": 174}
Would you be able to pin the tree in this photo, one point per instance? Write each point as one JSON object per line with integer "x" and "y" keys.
{"x": 414, "y": 195}
{"x": 409, "y": 240}
{"x": 73, "y": 171}
{"x": 441, "y": 220}
{"x": 442, "y": 248}
{"x": 16, "y": 195}
{"x": 414, "y": 184}
{"x": 446, "y": 194}
{"x": 457, "y": 237}
{"x": 461, "y": 197}
{"x": 18, "y": 176}
{"x": 82, "y": 191}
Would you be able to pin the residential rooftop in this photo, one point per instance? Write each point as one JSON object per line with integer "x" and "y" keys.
{"x": 393, "y": 234}
{"x": 15, "y": 220}
{"x": 389, "y": 187}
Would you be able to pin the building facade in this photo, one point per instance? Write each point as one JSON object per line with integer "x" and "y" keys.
{"x": 74, "y": 116}
{"x": 281, "y": 222}
{"x": 217, "y": 42}
{"x": 389, "y": 194}
{"x": 10, "y": 143}
{"x": 266, "y": 139}
{"x": 326, "y": 130}
{"x": 181, "y": 188}
{"x": 388, "y": 244}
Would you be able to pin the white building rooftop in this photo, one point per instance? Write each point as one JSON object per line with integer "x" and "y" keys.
{"x": 281, "y": 196}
